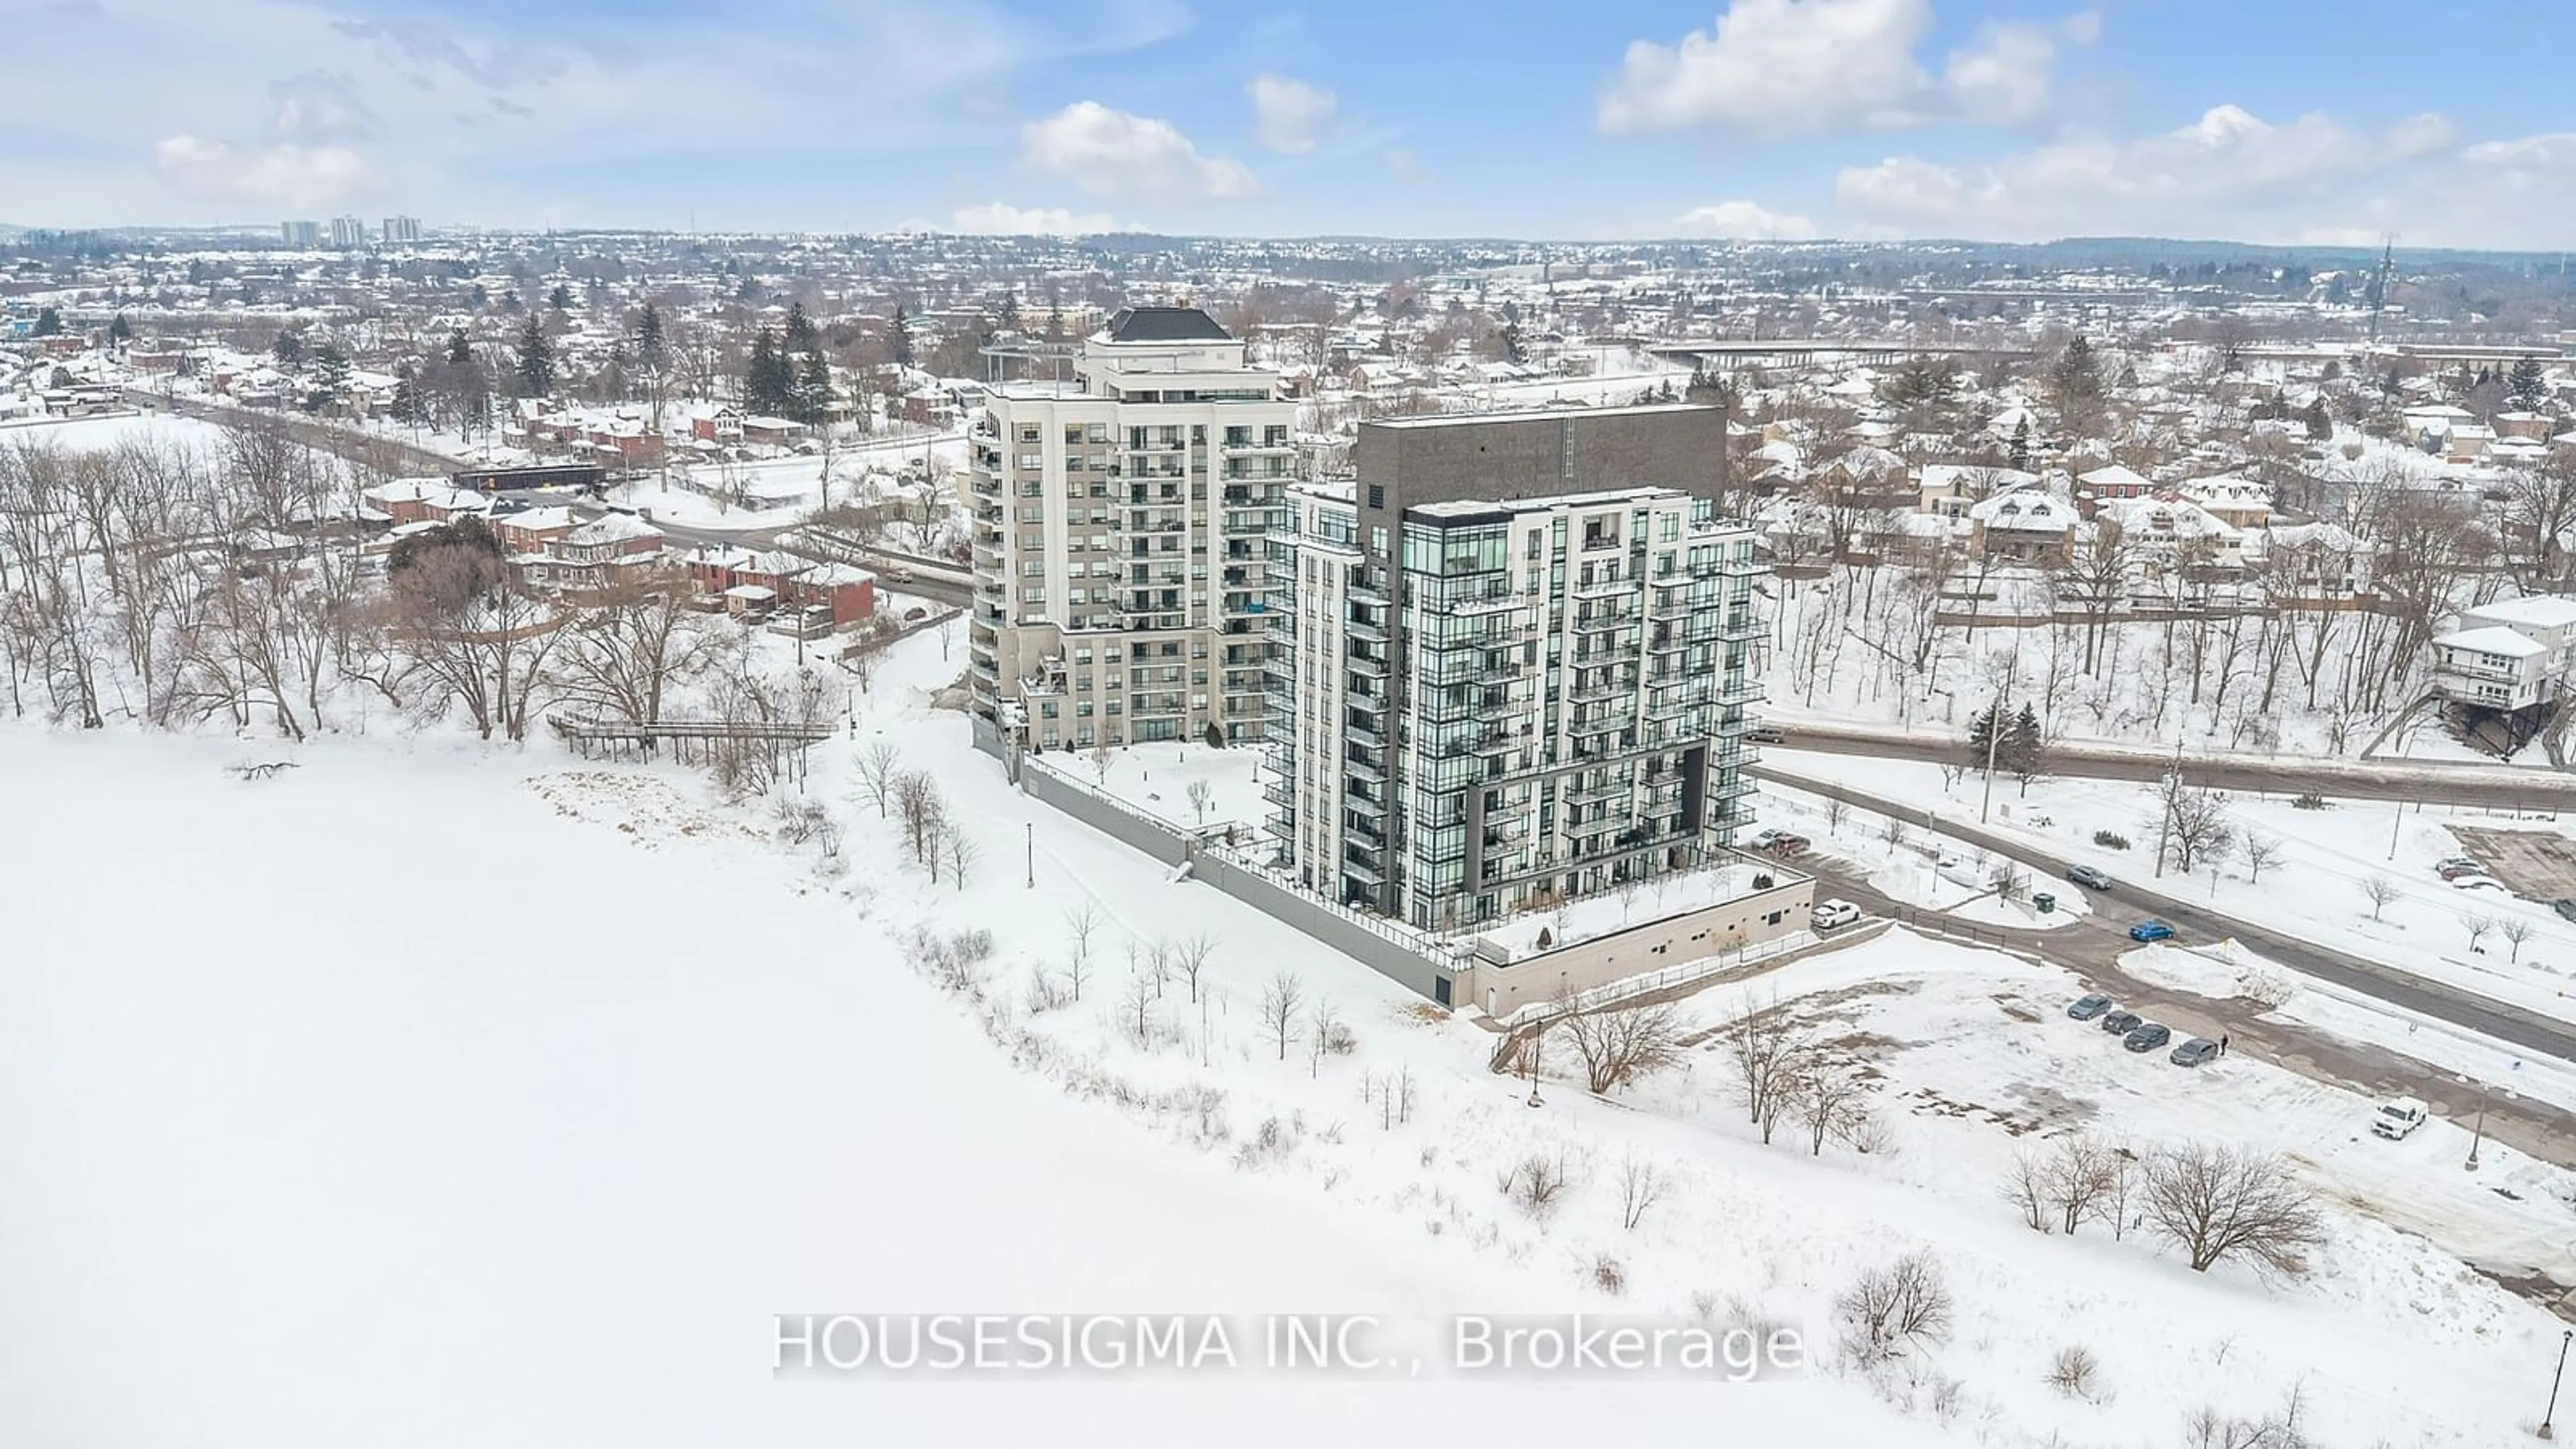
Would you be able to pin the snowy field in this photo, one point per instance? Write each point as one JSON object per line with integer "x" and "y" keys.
{"x": 82, "y": 435}
{"x": 365, "y": 1131}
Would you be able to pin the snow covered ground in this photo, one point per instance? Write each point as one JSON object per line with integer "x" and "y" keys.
{"x": 112, "y": 430}
{"x": 519, "y": 1091}
{"x": 2316, "y": 891}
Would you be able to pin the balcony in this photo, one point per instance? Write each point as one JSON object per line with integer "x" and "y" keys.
{"x": 1368, "y": 805}
{"x": 1736, "y": 690}
{"x": 1603, "y": 619}
{"x": 1362, "y": 630}
{"x": 1603, "y": 588}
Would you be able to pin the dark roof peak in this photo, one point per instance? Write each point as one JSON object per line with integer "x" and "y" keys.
{"x": 1165, "y": 324}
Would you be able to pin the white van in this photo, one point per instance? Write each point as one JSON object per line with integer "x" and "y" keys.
{"x": 1828, "y": 915}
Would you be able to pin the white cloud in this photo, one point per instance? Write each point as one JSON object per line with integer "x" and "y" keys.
{"x": 1406, "y": 167}
{"x": 1802, "y": 67}
{"x": 1290, "y": 116}
{"x": 287, "y": 175}
{"x": 2230, "y": 174}
{"x": 998, "y": 218}
{"x": 1117, "y": 155}
{"x": 1744, "y": 221}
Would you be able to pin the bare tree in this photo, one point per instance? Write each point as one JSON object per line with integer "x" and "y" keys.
{"x": 961, "y": 854}
{"x": 2262, "y": 852}
{"x": 2026, "y": 1185}
{"x": 1837, "y": 810}
{"x": 1279, "y": 1003}
{"x": 2379, "y": 890}
{"x": 2516, "y": 931}
{"x": 879, "y": 766}
{"x": 2194, "y": 826}
{"x": 1641, "y": 1186}
{"x": 1771, "y": 1054}
{"x": 2081, "y": 1175}
{"x": 1202, "y": 796}
{"x": 2216, "y": 1201}
{"x": 1886, "y": 1310}
{"x": 1190, "y": 958}
{"x": 1828, "y": 1100}
{"x": 2477, "y": 923}
{"x": 922, "y": 812}
{"x": 1080, "y": 923}
{"x": 1616, "y": 1046}
{"x": 1138, "y": 1003}
{"x": 621, "y": 657}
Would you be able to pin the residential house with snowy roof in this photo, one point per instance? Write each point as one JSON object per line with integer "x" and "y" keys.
{"x": 2508, "y": 655}
{"x": 2234, "y": 501}
{"x": 2029, "y": 526}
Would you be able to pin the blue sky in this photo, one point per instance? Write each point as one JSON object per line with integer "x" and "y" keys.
{"x": 2260, "y": 120}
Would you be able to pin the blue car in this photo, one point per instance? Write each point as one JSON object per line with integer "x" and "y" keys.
{"x": 2150, "y": 931}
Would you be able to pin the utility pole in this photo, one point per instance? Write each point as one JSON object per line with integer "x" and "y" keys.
{"x": 1032, "y": 828}
{"x": 1994, "y": 740}
{"x": 2173, "y": 790}
{"x": 2552, "y": 1413}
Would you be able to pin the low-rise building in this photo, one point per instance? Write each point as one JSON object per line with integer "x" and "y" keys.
{"x": 2509, "y": 655}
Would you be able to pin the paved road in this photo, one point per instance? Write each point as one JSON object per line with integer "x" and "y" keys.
{"x": 2099, "y": 941}
{"x": 2427, "y": 782}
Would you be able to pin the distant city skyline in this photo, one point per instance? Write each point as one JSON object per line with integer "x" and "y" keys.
{"x": 1766, "y": 119}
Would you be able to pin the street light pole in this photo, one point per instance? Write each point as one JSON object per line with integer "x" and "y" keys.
{"x": 2478, "y": 1139}
{"x": 1032, "y": 828}
{"x": 2552, "y": 1413}
{"x": 1994, "y": 739}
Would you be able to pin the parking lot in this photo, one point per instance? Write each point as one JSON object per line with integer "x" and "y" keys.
{"x": 2535, "y": 864}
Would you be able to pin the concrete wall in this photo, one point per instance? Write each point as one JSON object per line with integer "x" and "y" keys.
{"x": 1348, "y": 932}
{"x": 1589, "y": 965}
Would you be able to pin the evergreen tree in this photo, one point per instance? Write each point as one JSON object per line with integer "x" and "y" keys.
{"x": 1008, "y": 318}
{"x": 813, "y": 389}
{"x": 560, "y": 299}
{"x": 536, "y": 363}
{"x": 768, "y": 379}
{"x": 459, "y": 351}
{"x": 2018, "y": 451}
{"x": 1512, "y": 343}
{"x": 2320, "y": 427}
{"x": 2077, "y": 380}
{"x": 651, "y": 347}
{"x": 800, "y": 337}
{"x": 899, "y": 338}
{"x": 2023, "y": 751}
{"x": 330, "y": 378}
{"x": 2527, "y": 384}
{"x": 1055, "y": 322}
{"x": 1982, "y": 744}
{"x": 120, "y": 331}
{"x": 288, "y": 349}
{"x": 49, "y": 323}
{"x": 406, "y": 407}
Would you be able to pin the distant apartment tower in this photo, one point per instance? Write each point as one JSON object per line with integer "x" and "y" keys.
{"x": 300, "y": 234}
{"x": 1120, "y": 547}
{"x": 348, "y": 231}
{"x": 401, "y": 230}
{"x": 1513, "y": 662}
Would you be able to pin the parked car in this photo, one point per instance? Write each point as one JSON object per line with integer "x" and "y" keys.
{"x": 1765, "y": 735}
{"x": 1761, "y": 839}
{"x": 2151, "y": 931}
{"x": 2454, "y": 869}
{"x": 2565, "y": 906}
{"x": 2398, "y": 1117}
{"x": 1785, "y": 844}
{"x": 2146, "y": 1036}
{"x": 2469, "y": 862}
{"x": 2477, "y": 883}
{"x": 2085, "y": 1008}
{"x": 2089, "y": 878}
{"x": 1827, "y": 915}
{"x": 2121, "y": 1023}
{"x": 2194, "y": 1052}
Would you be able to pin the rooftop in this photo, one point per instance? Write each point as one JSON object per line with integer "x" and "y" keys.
{"x": 1470, "y": 420}
{"x": 2538, "y": 611}
{"x": 2494, "y": 639}
{"x": 1164, "y": 324}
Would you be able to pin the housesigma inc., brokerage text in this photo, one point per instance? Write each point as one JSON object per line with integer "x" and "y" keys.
{"x": 1356, "y": 1345}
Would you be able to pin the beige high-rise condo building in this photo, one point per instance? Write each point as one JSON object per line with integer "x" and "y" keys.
{"x": 1121, "y": 538}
